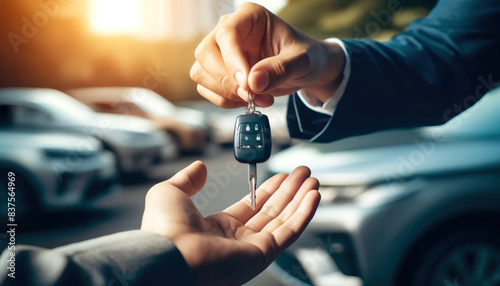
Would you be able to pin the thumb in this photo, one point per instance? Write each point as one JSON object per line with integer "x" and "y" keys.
{"x": 270, "y": 73}
{"x": 191, "y": 179}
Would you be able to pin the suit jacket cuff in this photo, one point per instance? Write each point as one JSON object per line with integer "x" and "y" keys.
{"x": 126, "y": 258}
{"x": 303, "y": 122}
{"x": 329, "y": 106}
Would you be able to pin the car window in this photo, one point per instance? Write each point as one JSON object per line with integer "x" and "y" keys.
{"x": 127, "y": 108}
{"x": 152, "y": 103}
{"x": 119, "y": 107}
{"x": 65, "y": 108}
{"x": 23, "y": 115}
{"x": 101, "y": 107}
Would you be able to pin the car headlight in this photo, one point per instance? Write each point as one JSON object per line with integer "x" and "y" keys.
{"x": 69, "y": 154}
{"x": 340, "y": 194}
{"x": 82, "y": 148}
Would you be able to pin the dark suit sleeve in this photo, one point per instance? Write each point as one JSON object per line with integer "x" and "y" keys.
{"x": 127, "y": 258}
{"x": 437, "y": 68}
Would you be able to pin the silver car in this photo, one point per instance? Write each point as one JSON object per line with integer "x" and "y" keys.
{"x": 52, "y": 169}
{"x": 421, "y": 211}
{"x": 136, "y": 142}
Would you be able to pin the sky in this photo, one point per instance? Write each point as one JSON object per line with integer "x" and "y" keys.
{"x": 83, "y": 43}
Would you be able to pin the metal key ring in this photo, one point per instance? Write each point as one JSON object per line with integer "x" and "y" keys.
{"x": 251, "y": 105}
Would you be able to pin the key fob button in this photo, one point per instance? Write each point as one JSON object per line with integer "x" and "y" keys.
{"x": 247, "y": 141}
{"x": 252, "y": 138}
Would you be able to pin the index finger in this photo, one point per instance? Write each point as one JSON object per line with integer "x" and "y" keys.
{"x": 249, "y": 23}
{"x": 229, "y": 39}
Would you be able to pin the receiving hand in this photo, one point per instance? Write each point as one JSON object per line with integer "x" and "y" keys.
{"x": 232, "y": 246}
{"x": 254, "y": 49}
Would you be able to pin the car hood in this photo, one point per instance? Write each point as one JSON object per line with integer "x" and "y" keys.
{"x": 116, "y": 122}
{"x": 47, "y": 140}
{"x": 354, "y": 167}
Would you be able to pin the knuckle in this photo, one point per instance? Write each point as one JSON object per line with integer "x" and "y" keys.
{"x": 218, "y": 100}
{"x": 222, "y": 102}
{"x": 280, "y": 68}
{"x": 226, "y": 94}
{"x": 224, "y": 18}
{"x": 200, "y": 51}
{"x": 195, "y": 73}
{"x": 225, "y": 79}
{"x": 223, "y": 31}
{"x": 155, "y": 190}
{"x": 250, "y": 5}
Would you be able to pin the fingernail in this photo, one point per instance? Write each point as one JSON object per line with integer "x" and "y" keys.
{"x": 242, "y": 93}
{"x": 240, "y": 79}
{"x": 261, "y": 80}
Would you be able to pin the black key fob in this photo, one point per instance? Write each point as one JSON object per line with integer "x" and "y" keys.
{"x": 252, "y": 138}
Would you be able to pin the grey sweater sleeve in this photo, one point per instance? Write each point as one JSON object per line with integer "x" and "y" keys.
{"x": 126, "y": 258}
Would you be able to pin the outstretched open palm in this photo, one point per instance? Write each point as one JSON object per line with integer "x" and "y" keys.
{"x": 232, "y": 246}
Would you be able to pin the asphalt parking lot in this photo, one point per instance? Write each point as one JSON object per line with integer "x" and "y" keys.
{"x": 122, "y": 210}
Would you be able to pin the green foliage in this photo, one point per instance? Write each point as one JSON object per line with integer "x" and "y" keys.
{"x": 354, "y": 18}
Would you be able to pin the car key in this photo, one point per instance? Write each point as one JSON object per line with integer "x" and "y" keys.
{"x": 252, "y": 143}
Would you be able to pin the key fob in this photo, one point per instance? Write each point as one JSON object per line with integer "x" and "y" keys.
{"x": 252, "y": 138}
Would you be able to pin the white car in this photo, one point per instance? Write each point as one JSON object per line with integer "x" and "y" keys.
{"x": 137, "y": 143}
{"x": 187, "y": 126}
{"x": 52, "y": 169}
{"x": 417, "y": 207}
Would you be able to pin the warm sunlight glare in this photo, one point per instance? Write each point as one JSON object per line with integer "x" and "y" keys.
{"x": 115, "y": 16}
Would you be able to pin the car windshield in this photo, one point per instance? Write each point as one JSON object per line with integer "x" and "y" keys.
{"x": 65, "y": 107}
{"x": 152, "y": 103}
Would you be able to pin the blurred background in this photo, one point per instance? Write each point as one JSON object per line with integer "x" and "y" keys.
{"x": 96, "y": 105}
{"x": 150, "y": 43}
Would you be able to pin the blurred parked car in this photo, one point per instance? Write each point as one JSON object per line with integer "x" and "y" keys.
{"x": 136, "y": 142}
{"x": 421, "y": 211}
{"x": 222, "y": 123}
{"x": 52, "y": 169}
{"x": 187, "y": 126}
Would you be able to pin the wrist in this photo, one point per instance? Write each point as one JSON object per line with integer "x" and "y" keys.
{"x": 332, "y": 59}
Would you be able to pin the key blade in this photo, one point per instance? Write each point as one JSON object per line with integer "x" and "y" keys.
{"x": 252, "y": 183}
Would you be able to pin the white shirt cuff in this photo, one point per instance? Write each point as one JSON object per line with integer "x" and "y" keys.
{"x": 329, "y": 106}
